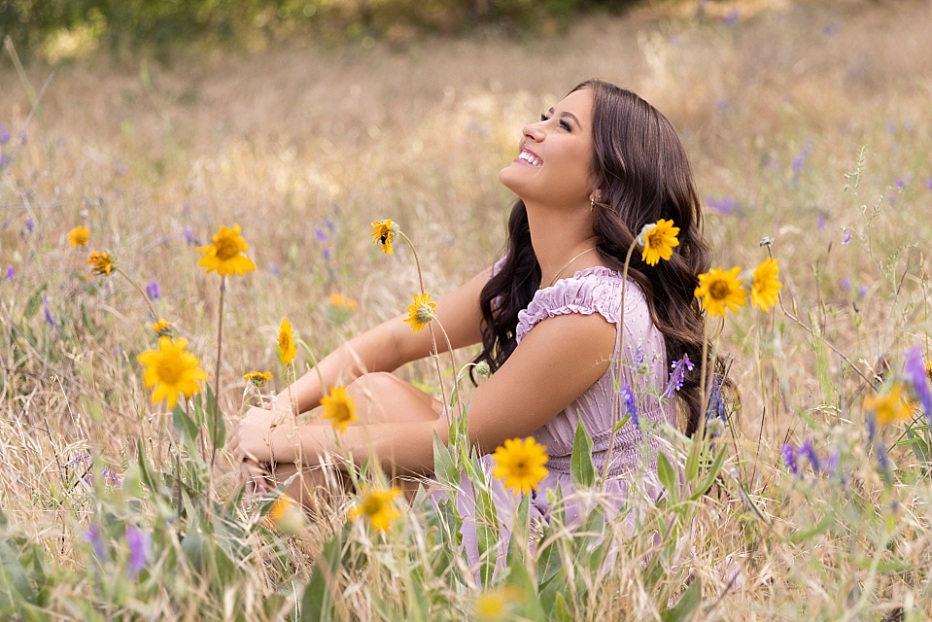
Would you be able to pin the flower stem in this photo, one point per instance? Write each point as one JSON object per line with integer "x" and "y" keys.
{"x": 216, "y": 413}
{"x": 139, "y": 289}
{"x": 616, "y": 415}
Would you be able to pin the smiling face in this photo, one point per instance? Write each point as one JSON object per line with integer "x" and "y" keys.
{"x": 554, "y": 159}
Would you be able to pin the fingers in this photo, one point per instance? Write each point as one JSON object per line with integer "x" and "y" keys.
{"x": 255, "y": 476}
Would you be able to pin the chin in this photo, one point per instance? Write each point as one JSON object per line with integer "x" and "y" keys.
{"x": 508, "y": 179}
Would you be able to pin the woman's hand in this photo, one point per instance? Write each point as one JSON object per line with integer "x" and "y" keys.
{"x": 252, "y": 438}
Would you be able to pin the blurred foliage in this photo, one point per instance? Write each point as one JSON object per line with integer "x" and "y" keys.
{"x": 35, "y": 25}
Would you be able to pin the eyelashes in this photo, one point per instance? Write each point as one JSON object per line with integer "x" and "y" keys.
{"x": 563, "y": 124}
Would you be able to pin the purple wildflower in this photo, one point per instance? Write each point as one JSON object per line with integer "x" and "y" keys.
{"x": 5, "y": 161}
{"x": 4, "y": 134}
{"x": 330, "y": 224}
{"x": 884, "y": 462}
{"x": 111, "y": 477}
{"x": 800, "y": 160}
{"x": 717, "y": 406}
{"x": 862, "y": 291}
{"x": 675, "y": 383}
{"x": 789, "y": 458}
{"x": 726, "y": 205}
{"x": 10, "y": 273}
{"x": 638, "y": 356}
{"x": 916, "y": 375}
{"x": 140, "y": 549}
{"x": 30, "y": 225}
{"x": 871, "y": 427}
{"x": 189, "y": 237}
{"x": 48, "y": 314}
{"x": 900, "y": 183}
{"x": 320, "y": 234}
{"x": 274, "y": 269}
{"x": 22, "y": 136}
{"x": 929, "y": 183}
{"x": 327, "y": 254}
{"x": 152, "y": 290}
{"x": 846, "y": 284}
{"x": 820, "y": 221}
{"x": 631, "y": 407}
{"x": 808, "y": 451}
{"x": 96, "y": 540}
{"x": 845, "y": 236}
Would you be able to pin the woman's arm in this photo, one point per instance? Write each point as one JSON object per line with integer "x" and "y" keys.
{"x": 388, "y": 346}
{"x": 552, "y": 366}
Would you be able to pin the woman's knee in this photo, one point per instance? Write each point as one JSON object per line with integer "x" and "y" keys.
{"x": 382, "y": 397}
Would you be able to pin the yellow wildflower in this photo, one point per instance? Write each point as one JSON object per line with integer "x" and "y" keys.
{"x": 658, "y": 240}
{"x": 767, "y": 284}
{"x": 339, "y": 300}
{"x": 286, "y": 345}
{"x": 286, "y": 515}
{"x": 497, "y": 605}
{"x": 377, "y": 506}
{"x": 719, "y": 289}
{"x": 162, "y": 327}
{"x": 520, "y": 464}
{"x": 339, "y": 407}
{"x": 79, "y": 236}
{"x": 225, "y": 256}
{"x": 101, "y": 263}
{"x": 890, "y": 407}
{"x": 258, "y": 378}
{"x": 171, "y": 370}
{"x": 421, "y": 312}
{"x": 382, "y": 234}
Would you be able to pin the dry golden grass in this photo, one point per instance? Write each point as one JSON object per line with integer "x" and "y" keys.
{"x": 300, "y": 138}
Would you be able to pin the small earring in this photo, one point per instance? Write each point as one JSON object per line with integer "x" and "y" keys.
{"x": 591, "y": 204}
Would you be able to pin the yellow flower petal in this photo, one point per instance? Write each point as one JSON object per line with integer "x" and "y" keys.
{"x": 520, "y": 464}
{"x": 421, "y": 312}
{"x": 890, "y": 407}
{"x": 766, "y": 288}
{"x": 377, "y": 506}
{"x": 339, "y": 407}
{"x": 659, "y": 242}
{"x": 171, "y": 370}
{"x": 225, "y": 255}
{"x": 718, "y": 290}
{"x": 101, "y": 263}
{"x": 78, "y": 236}
{"x": 382, "y": 234}
{"x": 286, "y": 345}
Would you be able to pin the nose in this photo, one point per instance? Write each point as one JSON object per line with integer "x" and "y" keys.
{"x": 534, "y": 131}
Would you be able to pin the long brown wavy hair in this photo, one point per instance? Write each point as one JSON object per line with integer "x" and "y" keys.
{"x": 643, "y": 175}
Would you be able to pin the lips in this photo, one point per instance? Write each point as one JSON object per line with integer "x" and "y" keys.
{"x": 529, "y": 158}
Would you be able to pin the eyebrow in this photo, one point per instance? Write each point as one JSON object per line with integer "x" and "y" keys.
{"x": 568, "y": 114}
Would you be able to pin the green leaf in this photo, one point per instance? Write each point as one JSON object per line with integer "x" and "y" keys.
{"x": 709, "y": 478}
{"x": 487, "y": 533}
{"x": 666, "y": 474}
{"x": 218, "y": 432}
{"x": 444, "y": 467}
{"x": 317, "y": 603}
{"x": 32, "y": 305}
{"x": 918, "y": 444}
{"x": 15, "y": 586}
{"x": 582, "y": 470}
{"x": 802, "y": 536}
{"x": 687, "y": 605}
{"x": 185, "y": 426}
{"x": 562, "y": 609}
{"x": 519, "y": 577}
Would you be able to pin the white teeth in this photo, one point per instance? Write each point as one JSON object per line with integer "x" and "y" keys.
{"x": 529, "y": 158}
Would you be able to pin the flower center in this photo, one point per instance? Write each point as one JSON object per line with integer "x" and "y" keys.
{"x": 521, "y": 468}
{"x": 227, "y": 248}
{"x": 424, "y": 314}
{"x": 719, "y": 290}
{"x": 170, "y": 369}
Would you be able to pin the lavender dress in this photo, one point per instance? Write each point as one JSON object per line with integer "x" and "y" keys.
{"x": 643, "y": 369}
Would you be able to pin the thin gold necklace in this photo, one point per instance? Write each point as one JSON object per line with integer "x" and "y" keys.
{"x": 568, "y": 263}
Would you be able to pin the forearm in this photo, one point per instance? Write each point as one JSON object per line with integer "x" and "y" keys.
{"x": 399, "y": 448}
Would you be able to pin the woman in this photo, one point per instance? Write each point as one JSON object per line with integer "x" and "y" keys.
{"x": 589, "y": 175}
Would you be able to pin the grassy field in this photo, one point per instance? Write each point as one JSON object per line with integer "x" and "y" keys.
{"x": 808, "y": 123}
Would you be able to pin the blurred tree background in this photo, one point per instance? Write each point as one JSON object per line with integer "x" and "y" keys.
{"x": 52, "y": 27}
